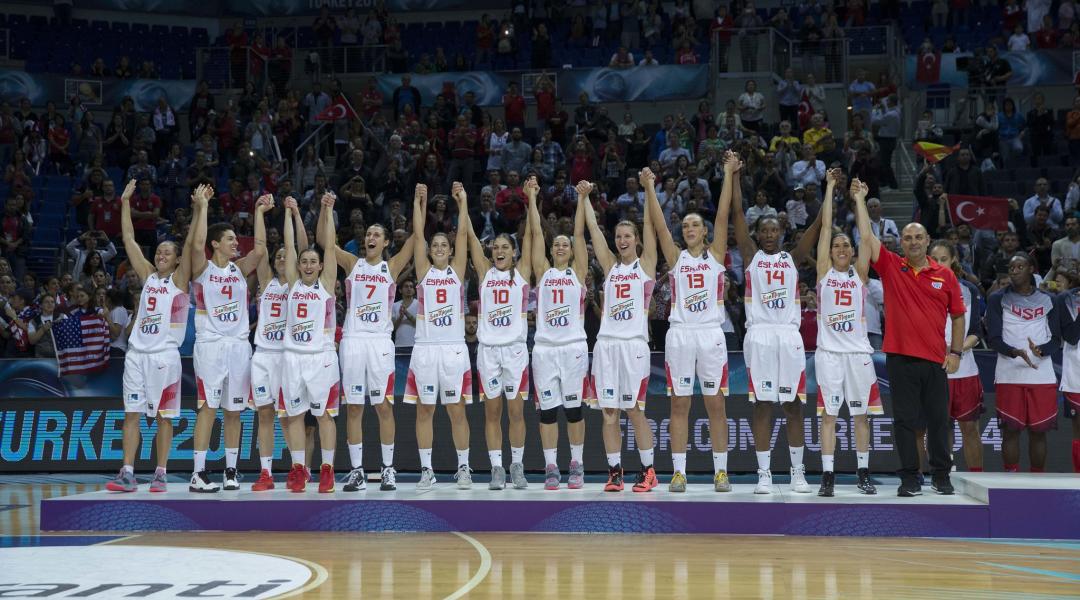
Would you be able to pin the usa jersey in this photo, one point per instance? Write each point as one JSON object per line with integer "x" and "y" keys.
{"x": 627, "y": 294}
{"x": 1070, "y": 354}
{"x": 970, "y": 295}
{"x": 1022, "y": 318}
{"x": 504, "y": 299}
{"x": 220, "y": 304}
{"x": 772, "y": 290}
{"x": 560, "y": 308}
{"x": 273, "y": 305}
{"x": 841, "y": 313}
{"x": 161, "y": 321}
{"x": 441, "y": 318}
{"x": 369, "y": 293}
{"x": 311, "y": 321}
{"x": 697, "y": 290}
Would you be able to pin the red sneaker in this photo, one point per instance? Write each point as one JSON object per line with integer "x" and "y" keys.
{"x": 297, "y": 480}
{"x": 615, "y": 479}
{"x": 326, "y": 479}
{"x": 646, "y": 480}
{"x": 264, "y": 482}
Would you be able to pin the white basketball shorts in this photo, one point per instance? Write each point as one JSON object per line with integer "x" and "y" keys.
{"x": 311, "y": 384}
{"x": 267, "y": 368}
{"x": 620, "y": 373}
{"x": 846, "y": 377}
{"x": 223, "y": 371}
{"x": 152, "y": 383}
{"x": 560, "y": 374}
{"x": 503, "y": 370}
{"x": 439, "y": 371}
{"x": 775, "y": 364}
{"x": 367, "y": 369}
{"x": 691, "y": 351}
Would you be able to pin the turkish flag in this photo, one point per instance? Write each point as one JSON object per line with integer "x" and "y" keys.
{"x": 980, "y": 212}
{"x": 806, "y": 110}
{"x": 928, "y": 67}
{"x": 340, "y": 109}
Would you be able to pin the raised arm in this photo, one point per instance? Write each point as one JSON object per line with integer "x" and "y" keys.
{"x": 535, "y": 231}
{"x": 723, "y": 211}
{"x": 292, "y": 273}
{"x": 197, "y": 233}
{"x": 182, "y": 275}
{"x": 581, "y": 249}
{"x": 600, "y": 243}
{"x": 346, "y": 260}
{"x": 867, "y": 239}
{"x": 525, "y": 263}
{"x": 302, "y": 243}
{"x": 862, "y": 260}
{"x": 135, "y": 254}
{"x": 327, "y": 241}
{"x": 464, "y": 227}
{"x": 480, "y": 263}
{"x": 420, "y": 258}
{"x": 263, "y": 268}
{"x": 802, "y": 250}
{"x": 746, "y": 244}
{"x": 824, "y": 261}
{"x": 663, "y": 233}
{"x": 251, "y": 260}
{"x": 648, "y": 235}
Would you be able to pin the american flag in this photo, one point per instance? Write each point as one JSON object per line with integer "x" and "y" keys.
{"x": 82, "y": 344}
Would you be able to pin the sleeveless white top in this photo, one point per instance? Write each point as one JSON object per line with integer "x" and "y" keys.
{"x": 841, "y": 313}
{"x": 370, "y": 292}
{"x": 273, "y": 308}
{"x": 311, "y": 321}
{"x": 161, "y": 321}
{"x": 504, "y": 298}
{"x": 560, "y": 308}
{"x": 441, "y": 318}
{"x": 221, "y": 304}
{"x": 772, "y": 290}
{"x": 697, "y": 290}
{"x": 627, "y": 295}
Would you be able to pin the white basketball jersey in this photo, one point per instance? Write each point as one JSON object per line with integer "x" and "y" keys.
{"x": 841, "y": 316}
{"x": 1070, "y": 353}
{"x": 441, "y": 318}
{"x": 369, "y": 292}
{"x": 220, "y": 304}
{"x": 697, "y": 290}
{"x": 627, "y": 295}
{"x": 273, "y": 306}
{"x": 161, "y": 321}
{"x": 1025, "y": 318}
{"x": 504, "y": 300}
{"x": 772, "y": 290}
{"x": 967, "y": 368}
{"x": 311, "y": 321}
{"x": 560, "y": 308}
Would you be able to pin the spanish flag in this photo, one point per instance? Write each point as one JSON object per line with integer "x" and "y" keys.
{"x": 933, "y": 153}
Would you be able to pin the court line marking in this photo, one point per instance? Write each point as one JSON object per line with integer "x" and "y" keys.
{"x": 317, "y": 570}
{"x": 1047, "y": 573}
{"x": 119, "y": 539}
{"x": 481, "y": 573}
{"x": 972, "y": 553}
{"x": 962, "y": 569}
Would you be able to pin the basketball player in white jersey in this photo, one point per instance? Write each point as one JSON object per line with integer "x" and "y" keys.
{"x": 695, "y": 344}
{"x": 268, "y": 362}
{"x": 621, "y": 362}
{"x": 965, "y": 387}
{"x": 366, "y": 352}
{"x": 502, "y": 359}
{"x": 439, "y": 368}
{"x": 1023, "y": 326}
{"x": 152, "y": 367}
{"x": 560, "y": 357}
{"x": 773, "y": 348}
{"x": 1070, "y": 357}
{"x": 844, "y": 361}
{"x": 310, "y": 383}
{"x": 222, "y": 356}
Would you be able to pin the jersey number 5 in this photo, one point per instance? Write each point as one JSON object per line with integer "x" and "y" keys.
{"x": 275, "y": 310}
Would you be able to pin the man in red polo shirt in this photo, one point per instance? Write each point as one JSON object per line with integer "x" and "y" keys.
{"x": 920, "y": 295}
{"x": 105, "y": 211}
{"x": 145, "y": 211}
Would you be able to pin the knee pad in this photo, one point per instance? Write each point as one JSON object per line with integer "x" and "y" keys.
{"x": 573, "y": 415}
{"x": 549, "y": 416}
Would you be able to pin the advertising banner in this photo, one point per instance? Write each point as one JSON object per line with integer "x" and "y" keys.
{"x": 76, "y": 425}
{"x": 1045, "y": 67}
{"x": 41, "y": 88}
{"x": 666, "y": 82}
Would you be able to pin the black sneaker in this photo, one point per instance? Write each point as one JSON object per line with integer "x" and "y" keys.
{"x": 909, "y": 489}
{"x": 943, "y": 486}
{"x": 828, "y": 482}
{"x": 389, "y": 480}
{"x": 864, "y": 484}
{"x": 201, "y": 484}
{"x": 231, "y": 480}
{"x": 615, "y": 479}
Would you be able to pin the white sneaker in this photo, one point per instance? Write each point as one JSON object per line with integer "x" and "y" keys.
{"x": 798, "y": 480}
{"x": 427, "y": 479}
{"x": 200, "y": 483}
{"x": 764, "y": 482}
{"x": 463, "y": 477}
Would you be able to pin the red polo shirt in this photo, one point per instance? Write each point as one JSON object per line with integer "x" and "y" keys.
{"x": 917, "y": 305}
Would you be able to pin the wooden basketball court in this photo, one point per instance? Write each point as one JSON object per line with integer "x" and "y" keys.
{"x": 564, "y": 566}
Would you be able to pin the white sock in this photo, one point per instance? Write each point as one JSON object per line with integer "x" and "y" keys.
{"x": 517, "y": 454}
{"x": 796, "y": 456}
{"x": 299, "y": 457}
{"x": 328, "y": 457}
{"x": 463, "y": 457}
{"x": 128, "y": 469}
{"x": 387, "y": 455}
{"x": 425, "y": 458}
{"x": 646, "y": 457}
{"x": 156, "y": 471}
{"x": 356, "y": 455}
{"x": 826, "y": 462}
{"x": 863, "y": 459}
{"x": 267, "y": 462}
{"x": 763, "y": 459}
{"x": 200, "y": 460}
{"x": 577, "y": 452}
{"x": 679, "y": 460}
{"x": 613, "y": 459}
{"x": 719, "y": 461}
{"x": 231, "y": 454}
{"x": 495, "y": 456}
{"x": 550, "y": 455}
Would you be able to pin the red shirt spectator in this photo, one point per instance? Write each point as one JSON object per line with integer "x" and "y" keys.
{"x": 462, "y": 142}
{"x": 371, "y": 101}
{"x": 511, "y": 203}
{"x": 545, "y": 103}
{"x": 1046, "y": 39}
{"x": 105, "y": 212}
{"x": 236, "y": 201}
{"x": 145, "y": 201}
{"x": 514, "y": 105}
{"x": 687, "y": 56}
{"x": 581, "y": 167}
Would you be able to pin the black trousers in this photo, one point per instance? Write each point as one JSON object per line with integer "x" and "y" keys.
{"x": 887, "y": 146}
{"x": 920, "y": 398}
